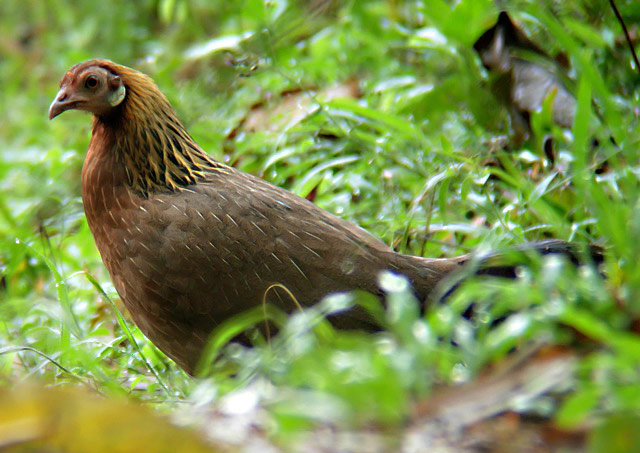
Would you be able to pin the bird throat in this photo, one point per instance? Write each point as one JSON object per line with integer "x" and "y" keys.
{"x": 156, "y": 151}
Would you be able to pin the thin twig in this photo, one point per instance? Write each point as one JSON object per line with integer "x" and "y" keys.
{"x": 626, "y": 33}
{"x": 11, "y": 349}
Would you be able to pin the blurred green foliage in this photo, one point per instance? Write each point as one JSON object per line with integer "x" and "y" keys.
{"x": 416, "y": 159}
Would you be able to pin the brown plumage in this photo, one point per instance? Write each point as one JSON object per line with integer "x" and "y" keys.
{"x": 189, "y": 241}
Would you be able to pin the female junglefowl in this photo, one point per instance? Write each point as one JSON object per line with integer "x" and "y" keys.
{"x": 189, "y": 241}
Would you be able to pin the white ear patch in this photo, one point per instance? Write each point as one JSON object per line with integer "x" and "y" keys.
{"x": 117, "y": 96}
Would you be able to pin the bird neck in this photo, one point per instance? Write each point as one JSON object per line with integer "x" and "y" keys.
{"x": 151, "y": 143}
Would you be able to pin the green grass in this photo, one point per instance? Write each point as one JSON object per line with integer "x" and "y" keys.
{"x": 413, "y": 160}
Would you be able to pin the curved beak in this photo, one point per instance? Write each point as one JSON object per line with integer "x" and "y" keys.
{"x": 63, "y": 101}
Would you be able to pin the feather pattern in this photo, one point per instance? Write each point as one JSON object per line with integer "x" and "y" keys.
{"x": 190, "y": 242}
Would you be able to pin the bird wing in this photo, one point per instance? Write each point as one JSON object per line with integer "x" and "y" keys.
{"x": 236, "y": 238}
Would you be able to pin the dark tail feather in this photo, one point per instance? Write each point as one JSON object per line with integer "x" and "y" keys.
{"x": 505, "y": 263}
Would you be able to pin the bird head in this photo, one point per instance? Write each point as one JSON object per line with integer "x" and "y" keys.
{"x": 141, "y": 126}
{"x": 92, "y": 86}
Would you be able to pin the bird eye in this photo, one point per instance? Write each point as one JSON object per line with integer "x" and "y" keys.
{"x": 91, "y": 82}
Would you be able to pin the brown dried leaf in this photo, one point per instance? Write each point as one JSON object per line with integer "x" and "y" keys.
{"x": 521, "y": 83}
{"x": 291, "y": 107}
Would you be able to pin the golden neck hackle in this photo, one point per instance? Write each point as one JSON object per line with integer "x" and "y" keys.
{"x": 151, "y": 142}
